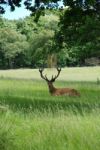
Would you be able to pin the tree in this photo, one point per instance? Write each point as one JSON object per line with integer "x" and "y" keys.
{"x": 72, "y": 43}
{"x": 79, "y": 31}
{"x": 38, "y": 8}
{"x": 11, "y": 45}
{"x": 24, "y": 43}
{"x": 40, "y": 47}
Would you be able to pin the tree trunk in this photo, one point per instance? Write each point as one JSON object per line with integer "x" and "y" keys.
{"x": 52, "y": 60}
{"x": 10, "y": 63}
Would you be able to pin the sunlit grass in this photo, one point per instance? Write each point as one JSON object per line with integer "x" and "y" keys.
{"x": 67, "y": 74}
{"x": 35, "y": 93}
{"x": 32, "y": 119}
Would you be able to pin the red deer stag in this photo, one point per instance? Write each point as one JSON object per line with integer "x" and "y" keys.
{"x": 58, "y": 91}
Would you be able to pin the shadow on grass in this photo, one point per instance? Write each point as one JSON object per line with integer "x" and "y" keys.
{"x": 27, "y": 104}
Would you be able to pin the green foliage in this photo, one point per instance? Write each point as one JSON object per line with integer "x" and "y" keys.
{"x": 12, "y": 44}
{"x": 40, "y": 46}
{"x": 24, "y": 43}
{"x": 80, "y": 34}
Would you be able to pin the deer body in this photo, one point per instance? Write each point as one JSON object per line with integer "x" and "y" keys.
{"x": 58, "y": 91}
{"x": 62, "y": 91}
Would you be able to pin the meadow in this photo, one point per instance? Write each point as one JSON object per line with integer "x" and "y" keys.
{"x": 32, "y": 119}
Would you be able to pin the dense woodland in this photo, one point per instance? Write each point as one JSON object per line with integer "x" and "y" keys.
{"x": 64, "y": 37}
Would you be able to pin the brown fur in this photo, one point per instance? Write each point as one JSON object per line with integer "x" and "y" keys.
{"x": 62, "y": 91}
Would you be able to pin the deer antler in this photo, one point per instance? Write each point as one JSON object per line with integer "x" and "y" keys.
{"x": 56, "y": 76}
{"x": 41, "y": 73}
{"x": 45, "y": 77}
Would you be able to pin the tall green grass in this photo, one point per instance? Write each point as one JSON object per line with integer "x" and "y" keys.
{"x": 50, "y": 131}
{"x": 32, "y": 119}
{"x": 35, "y": 94}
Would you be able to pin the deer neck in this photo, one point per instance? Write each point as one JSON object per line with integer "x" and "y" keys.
{"x": 51, "y": 88}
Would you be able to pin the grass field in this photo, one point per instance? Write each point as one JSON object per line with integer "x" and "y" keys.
{"x": 32, "y": 119}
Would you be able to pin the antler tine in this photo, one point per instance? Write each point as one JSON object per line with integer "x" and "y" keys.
{"x": 56, "y": 76}
{"x": 46, "y": 78}
{"x": 41, "y": 73}
{"x": 52, "y": 78}
{"x": 58, "y": 69}
{"x": 41, "y": 70}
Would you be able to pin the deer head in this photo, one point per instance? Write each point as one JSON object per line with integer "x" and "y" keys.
{"x": 50, "y": 81}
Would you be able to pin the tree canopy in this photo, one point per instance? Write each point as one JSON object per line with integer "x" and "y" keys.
{"x": 67, "y": 36}
{"x": 24, "y": 43}
{"x": 38, "y": 6}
